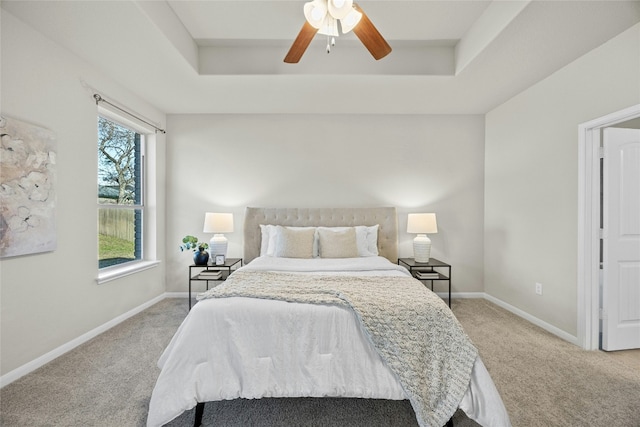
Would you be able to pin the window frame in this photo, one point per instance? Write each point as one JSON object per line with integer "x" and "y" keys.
{"x": 148, "y": 233}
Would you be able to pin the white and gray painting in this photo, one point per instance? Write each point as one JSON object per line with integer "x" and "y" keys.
{"x": 27, "y": 188}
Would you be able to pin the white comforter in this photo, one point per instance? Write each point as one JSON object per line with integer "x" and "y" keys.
{"x": 232, "y": 348}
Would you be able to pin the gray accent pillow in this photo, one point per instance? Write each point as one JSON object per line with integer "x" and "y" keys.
{"x": 292, "y": 243}
{"x": 337, "y": 244}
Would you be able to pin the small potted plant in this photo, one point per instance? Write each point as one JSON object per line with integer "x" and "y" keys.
{"x": 200, "y": 254}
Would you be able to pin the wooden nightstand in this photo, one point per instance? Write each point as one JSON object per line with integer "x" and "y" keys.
{"x": 429, "y": 269}
{"x": 212, "y": 273}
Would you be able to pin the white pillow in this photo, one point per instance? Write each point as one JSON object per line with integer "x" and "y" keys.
{"x": 270, "y": 239}
{"x": 337, "y": 244}
{"x": 294, "y": 243}
{"x": 366, "y": 238}
{"x": 268, "y": 242}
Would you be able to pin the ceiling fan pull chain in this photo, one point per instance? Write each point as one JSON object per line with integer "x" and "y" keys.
{"x": 328, "y": 45}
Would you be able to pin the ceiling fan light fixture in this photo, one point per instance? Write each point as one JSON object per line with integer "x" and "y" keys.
{"x": 319, "y": 18}
{"x": 340, "y": 8}
{"x": 329, "y": 27}
{"x": 349, "y": 22}
{"x": 315, "y": 12}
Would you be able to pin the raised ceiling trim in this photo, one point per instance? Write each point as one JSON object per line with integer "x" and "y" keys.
{"x": 491, "y": 23}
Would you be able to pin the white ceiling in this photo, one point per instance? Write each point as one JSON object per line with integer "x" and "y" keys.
{"x": 213, "y": 56}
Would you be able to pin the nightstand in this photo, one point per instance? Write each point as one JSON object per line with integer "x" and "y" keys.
{"x": 212, "y": 272}
{"x": 432, "y": 271}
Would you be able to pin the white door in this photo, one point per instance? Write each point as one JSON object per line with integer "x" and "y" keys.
{"x": 621, "y": 255}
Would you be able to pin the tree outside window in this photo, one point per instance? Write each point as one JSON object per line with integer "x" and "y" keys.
{"x": 120, "y": 201}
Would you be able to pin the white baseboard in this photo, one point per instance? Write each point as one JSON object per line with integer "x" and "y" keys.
{"x": 178, "y": 295}
{"x": 23, "y": 370}
{"x": 538, "y": 322}
{"x": 541, "y": 323}
{"x": 460, "y": 295}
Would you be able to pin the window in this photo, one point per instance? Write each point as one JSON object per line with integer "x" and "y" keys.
{"x": 120, "y": 194}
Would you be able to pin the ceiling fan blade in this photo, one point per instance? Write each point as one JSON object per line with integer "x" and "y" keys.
{"x": 301, "y": 43}
{"x": 371, "y": 37}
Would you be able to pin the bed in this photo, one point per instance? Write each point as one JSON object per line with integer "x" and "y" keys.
{"x": 321, "y": 309}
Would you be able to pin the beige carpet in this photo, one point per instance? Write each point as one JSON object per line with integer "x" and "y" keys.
{"x": 543, "y": 381}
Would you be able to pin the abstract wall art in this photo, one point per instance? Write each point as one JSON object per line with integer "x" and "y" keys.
{"x": 27, "y": 188}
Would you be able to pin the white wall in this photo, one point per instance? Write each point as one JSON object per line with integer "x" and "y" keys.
{"x": 416, "y": 163}
{"x": 531, "y": 178}
{"x": 52, "y": 298}
{"x": 524, "y": 205}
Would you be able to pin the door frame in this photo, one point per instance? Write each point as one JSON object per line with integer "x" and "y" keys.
{"x": 589, "y": 223}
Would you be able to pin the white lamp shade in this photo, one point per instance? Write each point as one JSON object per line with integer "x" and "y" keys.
{"x": 315, "y": 11}
{"x": 422, "y": 223}
{"x": 349, "y": 22}
{"x": 218, "y": 223}
{"x": 340, "y": 8}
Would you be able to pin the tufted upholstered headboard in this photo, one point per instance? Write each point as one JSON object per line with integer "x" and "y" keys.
{"x": 325, "y": 217}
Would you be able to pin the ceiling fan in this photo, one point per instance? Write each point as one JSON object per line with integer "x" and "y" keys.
{"x": 322, "y": 17}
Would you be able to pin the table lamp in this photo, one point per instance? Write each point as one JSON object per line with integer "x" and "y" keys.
{"x": 421, "y": 224}
{"x": 218, "y": 223}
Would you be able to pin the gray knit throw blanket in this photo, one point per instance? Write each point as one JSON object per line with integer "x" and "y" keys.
{"x": 412, "y": 329}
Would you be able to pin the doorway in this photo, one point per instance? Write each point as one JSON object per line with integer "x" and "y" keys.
{"x": 589, "y": 211}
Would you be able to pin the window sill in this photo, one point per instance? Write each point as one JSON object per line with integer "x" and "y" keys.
{"x": 116, "y": 272}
